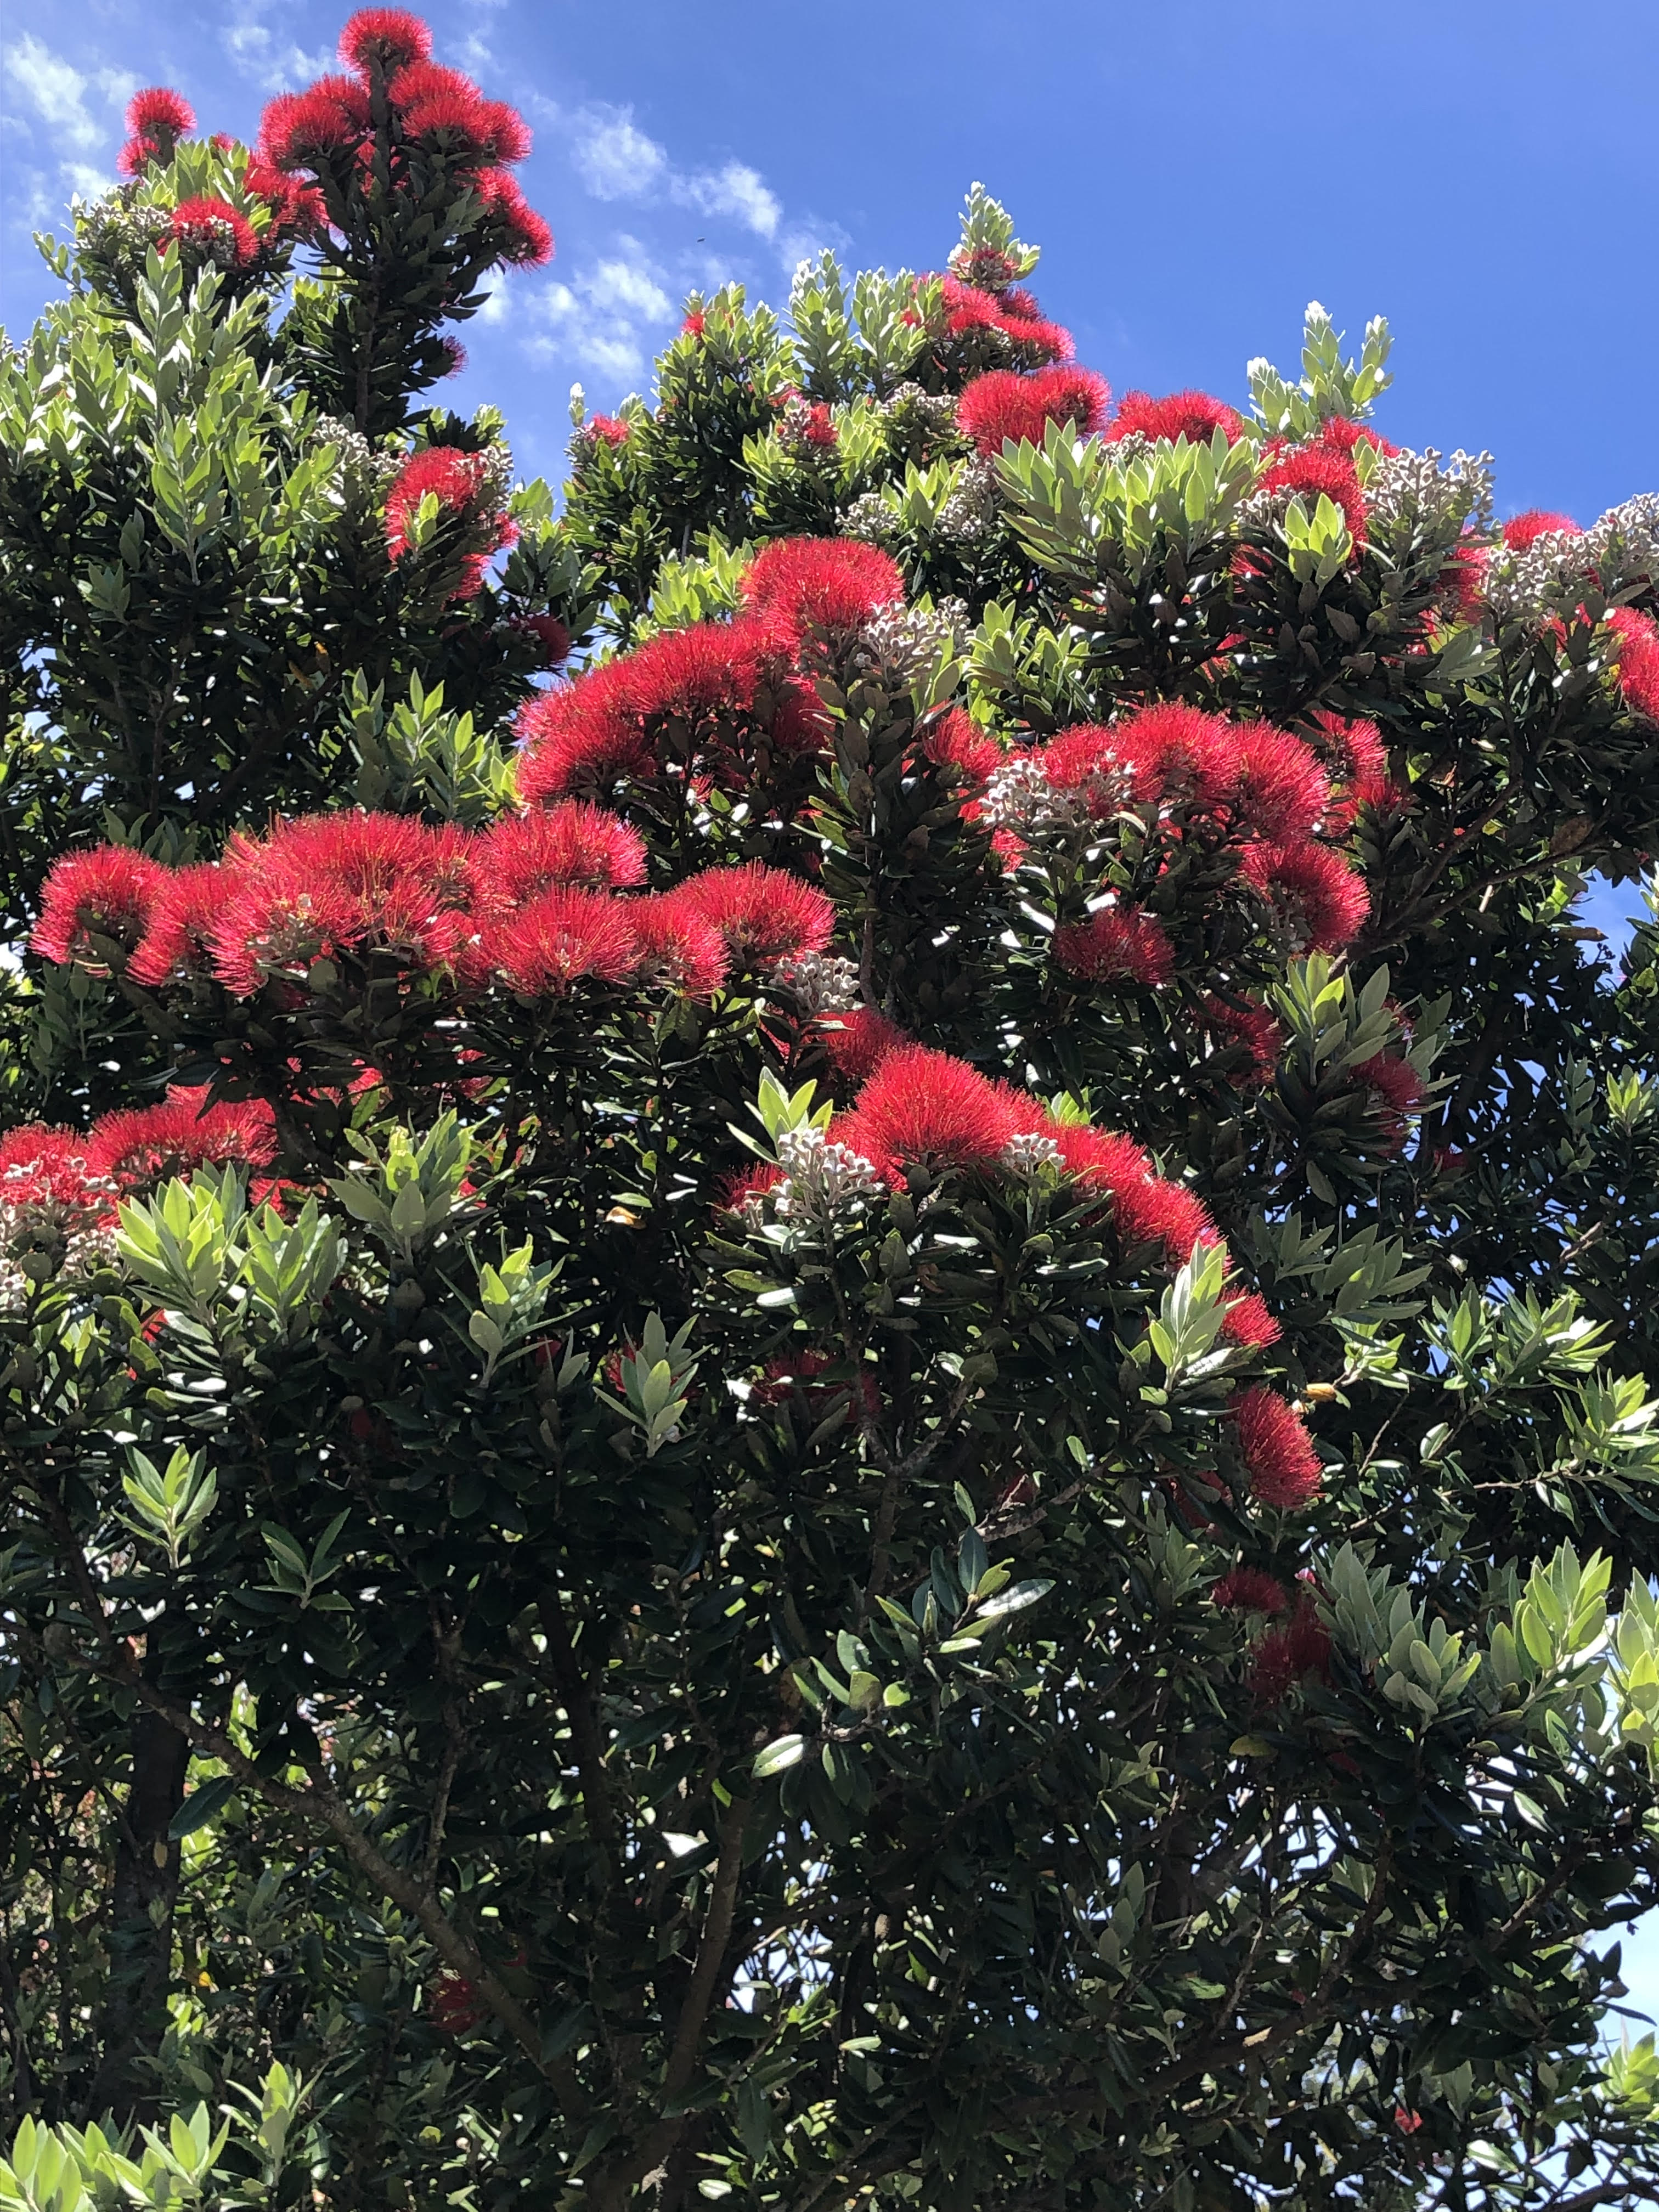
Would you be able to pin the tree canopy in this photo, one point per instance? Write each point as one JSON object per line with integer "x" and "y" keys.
{"x": 826, "y": 1275}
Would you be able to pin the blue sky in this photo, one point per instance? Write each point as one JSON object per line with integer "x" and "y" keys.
{"x": 1480, "y": 170}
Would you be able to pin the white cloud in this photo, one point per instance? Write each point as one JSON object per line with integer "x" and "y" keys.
{"x": 56, "y": 91}
{"x": 615, "y": 160}
{"x": 735, "y": 189}
{"x": 601, "y": 318}
{"x": 81, "y": 177}
{"x": 256, "y": 54}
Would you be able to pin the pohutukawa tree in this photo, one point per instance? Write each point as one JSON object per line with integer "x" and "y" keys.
{"x": 850, "y": 1412}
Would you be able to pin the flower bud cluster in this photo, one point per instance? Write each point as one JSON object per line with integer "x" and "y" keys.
{"x": 820, "y": 1177}
{"x": 900, "y": 643}
{"x": 822, "y": 982}
{"x": 1405, "y": 491}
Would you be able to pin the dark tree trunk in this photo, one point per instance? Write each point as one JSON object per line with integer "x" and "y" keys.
{"x": 141, "y": 1916}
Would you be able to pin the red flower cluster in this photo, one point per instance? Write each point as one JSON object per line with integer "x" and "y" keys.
{"x": 1249, "y": 782}
{"x": 1000, "y": 407}
{"x": 1638, "y": 659}
{"x": 1252, "y": 1026}
{"x": 1287, "y": 1655}
{"x": 531, "y": 902}
{"x": 1312, "y": 887}
{"x": 460, "y": 483}
{"x": 455, "y": 2006}
{"x": 1313, "y": 472}
{"x": 209, "y": 223}
{"x": 104, "y": 893}
{"x": 1194, "y": 416}
{"x": 1250, "y": 1590}
{"x": 798, "y": 584}
{"x": 856, "y": 1042}
{"x": 1522, "y": 531}
{"x": 157, "y": 119}
{"x": 1013, "y": 313}
{"x": 1358, "y": 761}
{"x": 327, "y": 130}
{"x": 700, "y": 703}
{"x": 1117, "y": 941}
{"x": 928, "y": 1109}
{"x": 1284, "y": 1469}
{"x": 149, "y": 1144}
{"x": 62, "y": 1188}
{"x": 1398, "y": 1089}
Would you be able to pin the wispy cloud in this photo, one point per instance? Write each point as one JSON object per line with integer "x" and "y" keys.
{"x": 267, "y": 59}
{"x": 601, "y": 319}
{"x": 617, "y": 160}
{"x": 614, "y": 159}
{"x": 737, "y": 190}
{"x": 57, "y": 92}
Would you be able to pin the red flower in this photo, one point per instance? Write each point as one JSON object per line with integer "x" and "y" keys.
{"x": 527, "y": 241}
{"x": 107, "y": 892}
{"x": 1287, "y": 1655}
{"x": 564, "y": 937}
{"x": 146, "y": 1143}
{"x": 453, "y": 118}
{"x": 1156, "y": 1212}
{"x": 706, "y": 668}
{"x": 1638, "y": 659}
{"x": 763, "y": 915}
{"x": 1406, "y": 2120}
{"x": 957, "y": 742}
{"x": 555, "y": 638}
{"x": 1249, "y": 1589}
{"x": 694, "y": 324}
{"x": 1310, "y": 472}
{"x": 1013, "y": 313}
{"x": 160, "y": 113}
{"x": 1248, "y": 1321}
{"x": 1281, "y": 791}
{"x": 753, "y": 1182}
{"x": 1001, "y": 407}
{"x": 332, "y": 884}
{"x": 1313, "y": 884}
{"x": 678, "y": 947}
{"x": 206, "y": 221}
{"x": 1522, "y": 531}
{"x": 1359, "y": 760}
{"x": 800, "y": 724}
{"x": 1252, "y": 1026}
{"x": 175, "y": 944}
{"x": 47, "y": 1186}
{"x": 928, "y": 1109}
{"x": 1461, "y": 580}
{"x": 455, "y": 2005}
{"x": 609, "y": 429}
{"x": 1400, "y": 1088}
{"x": 823, "y": 583}
{"x": 1180, "y": 755}
{"x": 1194, "y": 416}
{"x": 385, "y": 39}
{"x": 296, "y": 208}
{"x": 582, "y": 737}
{"x": 454, "y": 478}
{"x": 857, "y": 1042}
{"x": 313, "y": 128}
{"x": 1117, "y": 941}
{"x": 1101, "y": 1159}
{"x": 525, "y": 854}
{"x": 1284, "y": 1469}
{"x": 1341, "y": 435}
